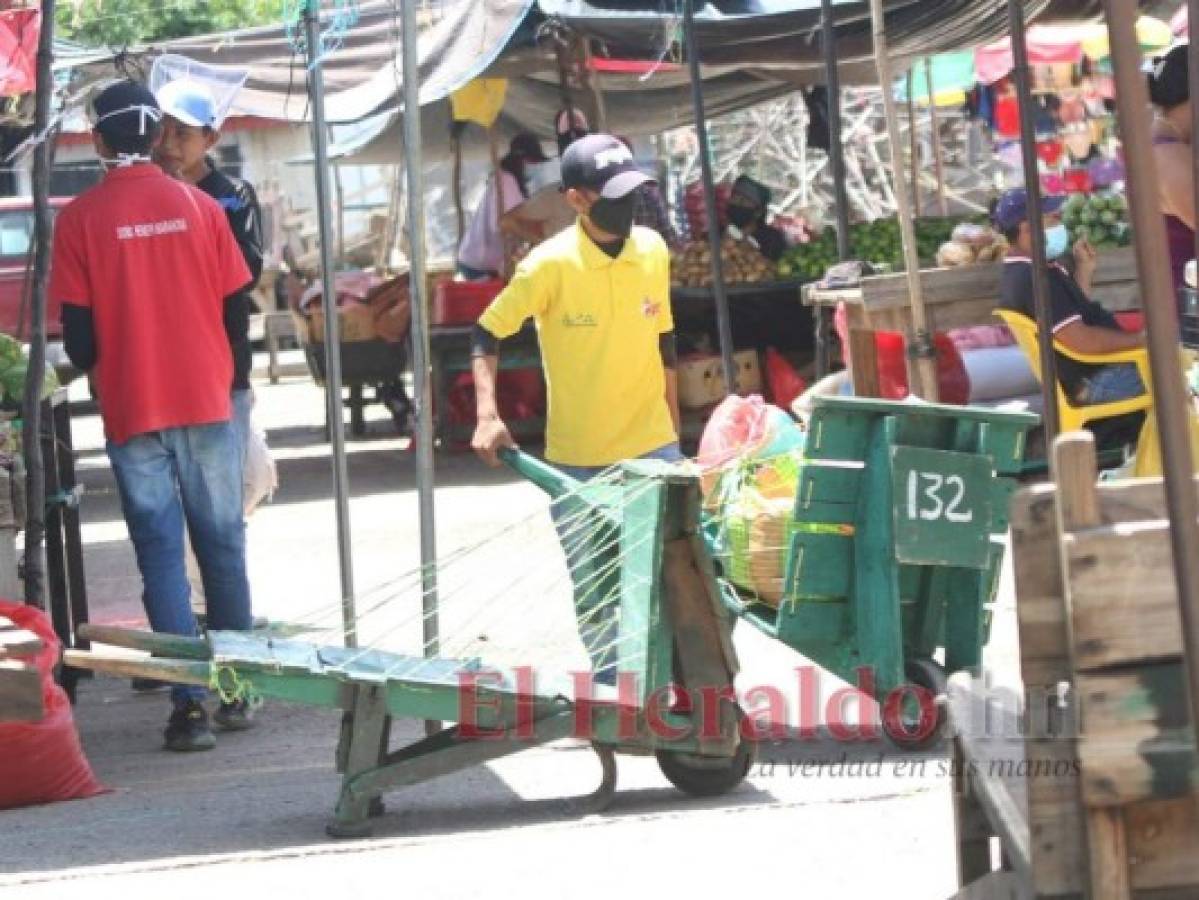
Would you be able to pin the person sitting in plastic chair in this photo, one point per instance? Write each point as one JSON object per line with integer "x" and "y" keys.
{"x": 1080, "y": 324}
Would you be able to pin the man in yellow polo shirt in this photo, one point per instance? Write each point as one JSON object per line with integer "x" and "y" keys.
{"x": 599, "y": 293}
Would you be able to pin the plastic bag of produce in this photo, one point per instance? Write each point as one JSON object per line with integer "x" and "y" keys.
{"x": 755, "y": 522}
{"x": 746, "y": 427}
{"x": 956, "y": 253}
{"x": 43, "y": 760}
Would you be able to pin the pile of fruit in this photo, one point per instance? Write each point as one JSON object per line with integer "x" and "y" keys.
{"x": 743, "y": 263}
{"x": 877, "y": 242}
{"x": 13, "y": 370}
{"x": 1100, "y": 219}
{"x": 970, "y": 244}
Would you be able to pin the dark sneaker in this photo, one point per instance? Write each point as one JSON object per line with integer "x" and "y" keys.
{"x": 235, "y": 716}
{"x": 145, "y": 685}
{"x": 188, "y": 729}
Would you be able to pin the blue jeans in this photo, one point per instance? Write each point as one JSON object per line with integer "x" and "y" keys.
{"x": 597, "y": 583}
{"x": 1112, "y": 383}
{"x": 163, "y": 477}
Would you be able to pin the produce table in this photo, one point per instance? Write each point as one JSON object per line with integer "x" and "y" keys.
{"x": 764, "y": 314}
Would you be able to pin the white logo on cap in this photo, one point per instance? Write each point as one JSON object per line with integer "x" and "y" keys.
{"x": 612, "y": 156}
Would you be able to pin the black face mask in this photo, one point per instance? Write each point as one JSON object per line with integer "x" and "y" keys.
{"x": 742, "y": 216}
{"x": 614, "y": 216}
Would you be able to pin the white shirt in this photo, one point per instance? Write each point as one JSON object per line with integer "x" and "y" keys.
{"x": 482, "y": 246}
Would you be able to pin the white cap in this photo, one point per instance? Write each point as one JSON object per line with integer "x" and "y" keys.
{"x": 188, "y": 101}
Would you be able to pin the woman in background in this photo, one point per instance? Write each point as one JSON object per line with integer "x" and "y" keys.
{"x": 1172, "y": 132}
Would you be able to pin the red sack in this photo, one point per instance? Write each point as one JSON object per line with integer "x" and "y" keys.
{"x": 785, "y": 383}
{"x": 953, "y": 382}
{"x": 43, "y": 761}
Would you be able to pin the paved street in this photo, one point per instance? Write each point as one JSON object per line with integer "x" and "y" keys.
{"x": 860, "y": 820}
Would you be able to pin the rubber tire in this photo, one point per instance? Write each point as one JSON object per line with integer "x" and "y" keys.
{"x": 708, "y": 781}
{"x": 928, "y": 674}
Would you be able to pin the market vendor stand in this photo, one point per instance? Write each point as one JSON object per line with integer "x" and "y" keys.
{"x": 957, "y": 298}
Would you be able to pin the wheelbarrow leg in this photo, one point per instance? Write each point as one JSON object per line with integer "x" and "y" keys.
{"x": 362, "y": 736}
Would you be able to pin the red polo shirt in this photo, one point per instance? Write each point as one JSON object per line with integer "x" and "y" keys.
{"x": 153, "y": 258}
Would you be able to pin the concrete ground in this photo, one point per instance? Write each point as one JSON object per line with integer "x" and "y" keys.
{"x": 861, "y": 820}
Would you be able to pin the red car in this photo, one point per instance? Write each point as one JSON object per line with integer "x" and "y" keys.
{"x": 16, "y": 236}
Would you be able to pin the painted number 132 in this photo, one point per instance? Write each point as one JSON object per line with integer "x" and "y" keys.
{"x": 932, "y": 496}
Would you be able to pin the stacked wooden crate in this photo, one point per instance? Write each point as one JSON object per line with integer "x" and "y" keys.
{"x": 20, "y": 682}
{"x": 1112, "y": 772}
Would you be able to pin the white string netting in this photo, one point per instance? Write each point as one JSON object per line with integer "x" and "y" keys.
{"x": 544, "y": 591}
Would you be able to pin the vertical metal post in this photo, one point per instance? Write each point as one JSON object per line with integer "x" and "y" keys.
{"x": 421, "y": 373}
{"x": 333, "y": 412}
{"x": 923, "y": 370}
{"x": 36, "y": 593}
{"x": 836, "y": 155}
{"x": 914, "y": 142}
{"x": 1032, "y": 183}
{"x": 1193, "y": 80}
{"x": 724, "y": 327}
{"x": 1171, "y": 399}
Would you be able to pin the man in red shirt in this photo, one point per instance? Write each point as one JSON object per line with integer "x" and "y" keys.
{"x": 142, "y": 265}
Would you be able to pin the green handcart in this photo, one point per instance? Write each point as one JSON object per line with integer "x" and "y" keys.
{"x": 896, "y": 544}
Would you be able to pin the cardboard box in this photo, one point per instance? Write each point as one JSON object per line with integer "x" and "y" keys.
{"x": 356, "y": 323}
{"x": 701, "y": 382}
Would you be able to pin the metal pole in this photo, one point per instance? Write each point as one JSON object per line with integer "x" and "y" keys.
{"x": 920, "y": 347}
{"x": 836, "y": 155}
{"x": 935, "y": 125}
{"x": 914, "y": 142}
{"x": 1171, "y": 402}
{"x": 421, "y": 374}
{"x": 36, "y": 593}
{"x": 337, "y": 438}
{"x": 1032, "y": 183}
{"x": 724, "y": 327}
{"x": 1193, "y": 78}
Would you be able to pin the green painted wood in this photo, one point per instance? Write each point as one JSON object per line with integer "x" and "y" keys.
{"x": 877, "y": 628}
{"x": 966, "y": 623}
{"x": 837, "y": 434}
{"x": 819, "y": 566}
{"x": 806, "y": 625}
{"x": 827, "y": 492}
{"x": 873, "y": 408}
{"x": 924, "y": 620}
{"x": 1002, "y": 491}
{"x": 643, "y": 650}
{"x": 171, "y": 645}
{"x": 942, "y": 507}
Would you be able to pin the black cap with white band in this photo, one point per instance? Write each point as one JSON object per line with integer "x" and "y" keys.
{"x": 601, "y": 163}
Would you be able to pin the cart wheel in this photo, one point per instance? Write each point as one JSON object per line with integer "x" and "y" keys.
{"x": 708, "y": 776}
{"x": 928, "y": 674}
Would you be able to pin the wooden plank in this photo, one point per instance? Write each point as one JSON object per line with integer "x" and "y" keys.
{"x": 1124, "y": 603}
{"x": 863, "y": 360}
{"x": 1136, "y": 742}
{"x": 1075, "y": 472}
{"x": 17, "y": 641}
{"x": 1162, "y": 837}
{"x": 995, "y": 886}
{"x": 170, "y": 670}
{"x": 1107, "y": 842}
{"x": 151, "y": 642}
{"x": 20, "y": 692}
{"x": 1040, "y": 604}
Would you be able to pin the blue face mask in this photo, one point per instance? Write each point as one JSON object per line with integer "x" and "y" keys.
{"x": 1057, "y": 241}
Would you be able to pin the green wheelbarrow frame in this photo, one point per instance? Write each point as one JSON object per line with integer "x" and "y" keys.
{"x": 673, "y": 629}
{"x": 897, "y": 542}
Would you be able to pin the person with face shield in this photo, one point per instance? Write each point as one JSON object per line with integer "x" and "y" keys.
{"x": 143, "y": 265}
{"x": 747, "y": 210}
{"x": 497, "y": 219}
{"x": 1079, "y": 323}
{"x": 599, "y": 293}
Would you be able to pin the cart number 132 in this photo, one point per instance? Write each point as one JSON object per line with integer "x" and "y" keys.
{"x": 933, "y": 496}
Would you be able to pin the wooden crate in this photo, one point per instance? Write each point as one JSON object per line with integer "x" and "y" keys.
{"x": 1098, "y": 610}
{"x": 701, "y": 379}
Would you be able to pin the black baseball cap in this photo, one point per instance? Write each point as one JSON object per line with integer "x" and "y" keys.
{"x": 126, "y": 107}
{"x": 526, "y": 145}
{"x": 602, "y": 163}
{"x": 751, "y": 193}
{"x": 1169, "y": 81}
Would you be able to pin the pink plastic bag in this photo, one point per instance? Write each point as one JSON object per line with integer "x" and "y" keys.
{"x": 744, "y": 427}
{"x": 43, "y": 761}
